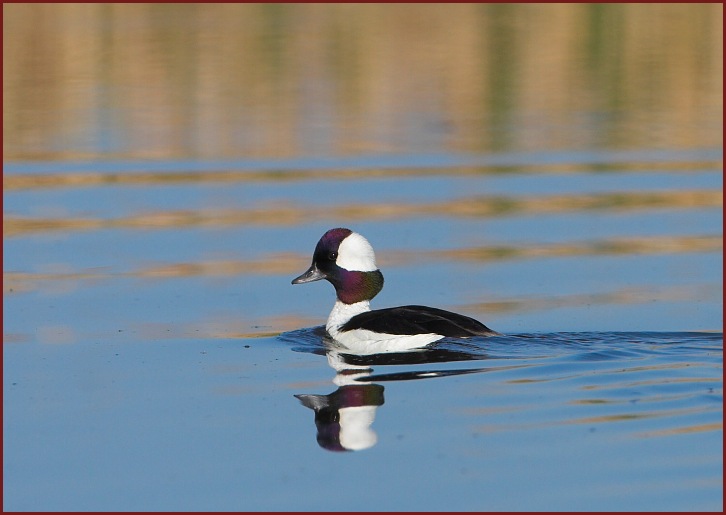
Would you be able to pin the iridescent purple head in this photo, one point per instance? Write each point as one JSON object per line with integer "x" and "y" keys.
{"x": 346, "y": 259}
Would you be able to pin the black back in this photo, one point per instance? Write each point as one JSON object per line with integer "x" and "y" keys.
{"x": 418, "y": 320}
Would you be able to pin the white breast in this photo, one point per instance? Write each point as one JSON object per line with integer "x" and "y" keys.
{"x": 343, "y": 312}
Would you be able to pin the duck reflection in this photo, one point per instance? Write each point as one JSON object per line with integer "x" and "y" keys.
{"x": 344, "y": 418}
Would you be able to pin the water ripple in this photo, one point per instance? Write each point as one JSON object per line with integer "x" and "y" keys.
{"x": 629, "y": 381}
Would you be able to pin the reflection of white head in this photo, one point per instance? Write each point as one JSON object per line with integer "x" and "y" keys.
{"x": 355, "y": 253}
{"x": 355, "y": 427}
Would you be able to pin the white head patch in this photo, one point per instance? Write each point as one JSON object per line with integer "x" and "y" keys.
{"x": 356, "y": 254}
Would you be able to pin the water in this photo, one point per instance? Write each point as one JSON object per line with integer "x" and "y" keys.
{"x": 570, "y": 421}
{"x": 167, "y": 170}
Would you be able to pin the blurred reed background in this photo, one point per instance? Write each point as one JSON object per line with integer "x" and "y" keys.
{"x": 283, "y": 80}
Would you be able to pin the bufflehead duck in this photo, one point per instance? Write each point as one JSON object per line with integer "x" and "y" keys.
{"x": 346, "y": 259}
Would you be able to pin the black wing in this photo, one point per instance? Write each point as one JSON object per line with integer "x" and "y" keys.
{"x": 418, "y": 320}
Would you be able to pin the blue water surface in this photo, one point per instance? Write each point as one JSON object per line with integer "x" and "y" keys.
{"x": 628, "y": 421}
{"x": 555, "y": 172}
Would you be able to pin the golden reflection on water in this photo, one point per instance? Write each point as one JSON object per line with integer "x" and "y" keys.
{"x": 38, "y": 181}
{"x": 614, "y": 418}
{"x": 624, "y": 417}
{"x": 278, "y": 80}
{"x": 699, "y": 428}
{"x": 288, "y": 214}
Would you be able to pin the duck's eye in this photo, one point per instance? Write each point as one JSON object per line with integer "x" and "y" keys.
{"x": 333, "y": 256}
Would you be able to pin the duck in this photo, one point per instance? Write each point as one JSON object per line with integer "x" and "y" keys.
{"x": 346, "y": 259}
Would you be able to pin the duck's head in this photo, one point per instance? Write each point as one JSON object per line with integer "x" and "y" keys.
{"x": 346, "y": 259}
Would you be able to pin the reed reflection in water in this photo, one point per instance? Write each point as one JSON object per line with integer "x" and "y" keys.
{"x": 162, "y": 81}
{"x": 462, "y": 232}
{"x": 212, "y": 142}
